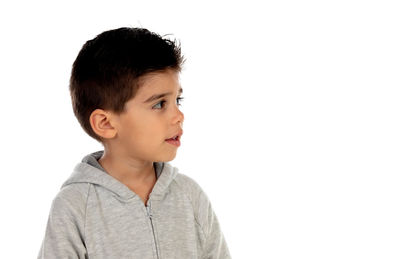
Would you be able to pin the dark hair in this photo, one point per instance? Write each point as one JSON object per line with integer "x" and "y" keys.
{"x": 107, "y": 70}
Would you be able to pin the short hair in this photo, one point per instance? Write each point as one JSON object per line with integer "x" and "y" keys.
{"x": 107, "y": 70}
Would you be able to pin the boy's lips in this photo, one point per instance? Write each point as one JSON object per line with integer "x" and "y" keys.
{"x": 177, "y": 136}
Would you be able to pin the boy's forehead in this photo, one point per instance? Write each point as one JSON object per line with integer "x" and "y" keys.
{"x": 157, "y": 83}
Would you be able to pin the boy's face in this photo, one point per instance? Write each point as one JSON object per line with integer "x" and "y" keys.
{"x": 142, "y": 131}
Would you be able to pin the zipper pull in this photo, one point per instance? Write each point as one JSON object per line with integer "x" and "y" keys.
{"x": 149, "y": 212}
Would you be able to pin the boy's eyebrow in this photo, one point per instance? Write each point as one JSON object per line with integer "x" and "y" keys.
{"x": 158, "y": 96}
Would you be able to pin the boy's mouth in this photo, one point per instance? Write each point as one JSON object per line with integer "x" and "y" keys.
{"x": 177, "y": 136}
{"x": 174, "y": 140}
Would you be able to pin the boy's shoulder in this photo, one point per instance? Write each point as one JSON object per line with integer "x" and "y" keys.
{"x": 193, "y": 189}
{"x": 187, "y": 183}
{"x": 70, "y": 202}
{"x": 185, "y": 180}
{"x": 202, "y": 207}
{"x": 73, "y": 192}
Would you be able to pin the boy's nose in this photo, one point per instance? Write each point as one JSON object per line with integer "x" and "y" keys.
{"x": 179, "y": 117}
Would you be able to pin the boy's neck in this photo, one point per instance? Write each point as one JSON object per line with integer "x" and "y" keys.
{"x": 130, "y": 172}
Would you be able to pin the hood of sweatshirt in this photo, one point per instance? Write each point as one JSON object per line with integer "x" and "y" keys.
{"x": 90, "y": 171}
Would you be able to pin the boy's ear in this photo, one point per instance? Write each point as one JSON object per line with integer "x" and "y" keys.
{"x": 102, "y": 124}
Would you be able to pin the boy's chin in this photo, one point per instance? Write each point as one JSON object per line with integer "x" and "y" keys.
{"x": 166, "y": 158}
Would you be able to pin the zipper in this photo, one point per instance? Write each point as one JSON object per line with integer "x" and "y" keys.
{"x": 148, "y": 208}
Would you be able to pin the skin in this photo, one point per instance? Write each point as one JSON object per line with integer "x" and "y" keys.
{"x": 135, "y": 139}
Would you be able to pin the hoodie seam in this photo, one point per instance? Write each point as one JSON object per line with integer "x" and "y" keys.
{"x": 86, "y": 206}
{"x": 191, "y": 203}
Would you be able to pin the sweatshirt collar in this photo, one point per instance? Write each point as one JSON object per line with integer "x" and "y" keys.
{"x": 90, "y": 171}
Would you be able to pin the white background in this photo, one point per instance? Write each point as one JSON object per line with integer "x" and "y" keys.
{"x": 291, "y": 118}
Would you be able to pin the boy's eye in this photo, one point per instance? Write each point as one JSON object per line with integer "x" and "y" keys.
{"x": 160, "y": 105}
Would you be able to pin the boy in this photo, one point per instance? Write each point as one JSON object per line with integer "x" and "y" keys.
{"x": 128, "y": 201}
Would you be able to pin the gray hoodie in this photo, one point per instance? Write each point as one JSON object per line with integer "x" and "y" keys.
{"x": 96, "y": 216}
